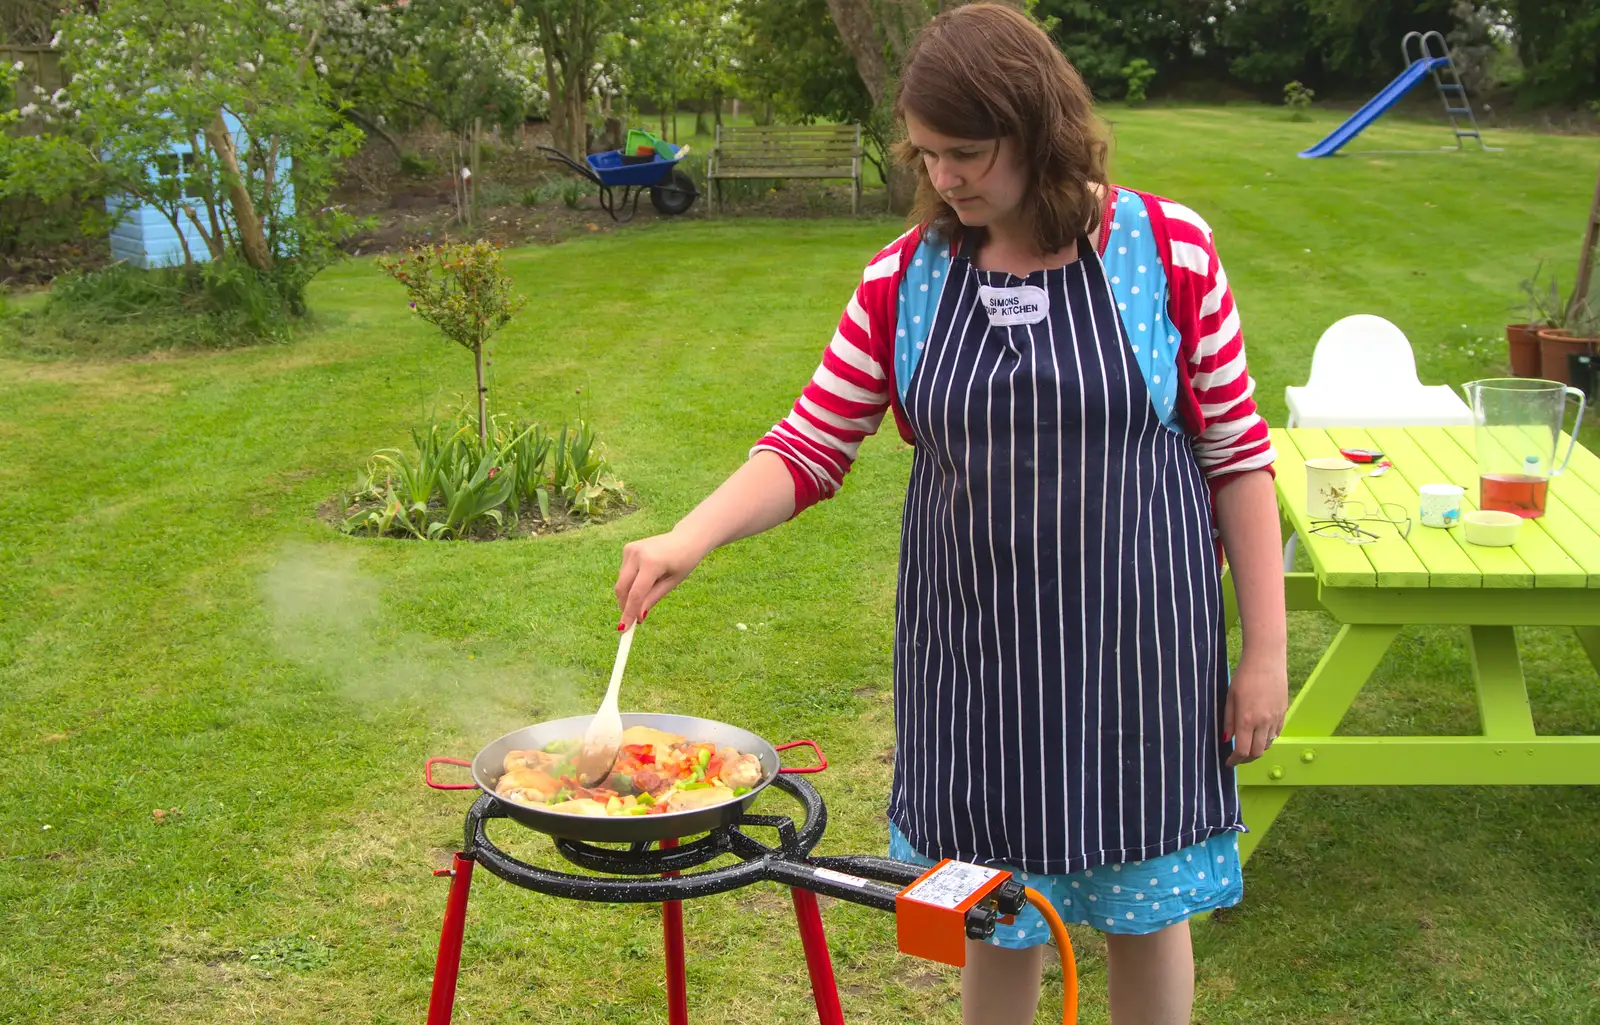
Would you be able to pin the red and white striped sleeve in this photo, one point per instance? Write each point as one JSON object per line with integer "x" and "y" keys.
{"x": 849, "y": 392}
{"x": 1230, "y": 435}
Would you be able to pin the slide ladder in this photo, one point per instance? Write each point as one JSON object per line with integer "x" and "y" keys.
{"x": 1447, "y": 80}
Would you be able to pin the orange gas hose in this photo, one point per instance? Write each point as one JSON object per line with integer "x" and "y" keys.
{"x": 1069, "y": 964}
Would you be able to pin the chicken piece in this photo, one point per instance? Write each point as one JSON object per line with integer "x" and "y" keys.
{"x": 659, "y": 740}
{"x": 528, "y": 785}
{"x": 532, "y": 779}
{"x": 688, "y": 800}
{"x": 580, "y": 806}
{"x": 739, "y": 769}
{"x": 531, "y": 759}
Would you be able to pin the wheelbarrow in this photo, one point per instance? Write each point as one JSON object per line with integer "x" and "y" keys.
{"x": 672, "y": 191}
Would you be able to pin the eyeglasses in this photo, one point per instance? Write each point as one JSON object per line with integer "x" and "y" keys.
{"x": 1353, "y": 529}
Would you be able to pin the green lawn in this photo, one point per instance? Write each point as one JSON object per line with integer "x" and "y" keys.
{"x": 181, "y": 632}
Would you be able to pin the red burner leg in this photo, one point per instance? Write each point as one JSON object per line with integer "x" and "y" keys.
{"x": 672, "y": 934}
{"x": 824, "y": 987}
{"x": 442, "y": 1004}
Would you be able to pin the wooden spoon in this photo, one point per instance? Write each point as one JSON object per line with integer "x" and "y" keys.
{"x": 601, "y": 742}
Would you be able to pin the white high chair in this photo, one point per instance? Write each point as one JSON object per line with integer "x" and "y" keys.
{"x": 1364, "y": 374}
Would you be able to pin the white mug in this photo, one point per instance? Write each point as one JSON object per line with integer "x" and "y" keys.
{"x": 1441, "y": 504}
{"x": 1330, "y": 486}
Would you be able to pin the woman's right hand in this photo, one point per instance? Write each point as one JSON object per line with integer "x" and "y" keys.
{"x": 650, "y": 568}
{"x": 759, "y": 496}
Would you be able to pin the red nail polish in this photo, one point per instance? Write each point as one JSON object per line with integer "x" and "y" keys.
{"x": 644, "y": 615}
{"x": 620, "y": 626}
{"x": 1227, "y": 737}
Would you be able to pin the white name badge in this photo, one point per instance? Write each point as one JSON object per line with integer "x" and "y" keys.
{"x": 1008, "y": 307}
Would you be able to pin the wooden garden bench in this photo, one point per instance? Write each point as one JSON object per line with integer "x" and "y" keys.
{"x": 771, "y": 152}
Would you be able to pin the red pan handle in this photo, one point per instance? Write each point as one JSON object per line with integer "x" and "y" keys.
{"x": 822, "y": 759}
{"x": 427, "y": 774}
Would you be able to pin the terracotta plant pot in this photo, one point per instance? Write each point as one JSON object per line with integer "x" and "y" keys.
{"x": 1555, "y": 344}
{"x": 1522, "y": 342}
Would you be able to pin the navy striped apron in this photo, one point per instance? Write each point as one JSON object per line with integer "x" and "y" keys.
{"x": 1060, "y": 657}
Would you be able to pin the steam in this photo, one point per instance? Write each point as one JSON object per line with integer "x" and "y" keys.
{"x": 328, "y": 616}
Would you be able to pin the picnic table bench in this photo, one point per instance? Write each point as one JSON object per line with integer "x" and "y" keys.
{"x": 786, "y": 151}
{"x": 1549, "y": 578}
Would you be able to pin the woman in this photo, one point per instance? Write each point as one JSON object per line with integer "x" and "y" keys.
{"x": 1065, "y": 356}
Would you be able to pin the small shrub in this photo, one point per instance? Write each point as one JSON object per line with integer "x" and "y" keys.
{"x": 1138, "y": 73}
{"x": 497, "y": 194}
{"x": 1298, "y": 99}
{"x": 461, "y": 289}
{"x": 415, "y": 165}
{"x": 521, "y": 478}
{"x": 548, "y": 190}
{"x": 122, "y": 310}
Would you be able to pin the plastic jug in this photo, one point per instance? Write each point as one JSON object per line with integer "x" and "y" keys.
{"x": 1517, "y": 428}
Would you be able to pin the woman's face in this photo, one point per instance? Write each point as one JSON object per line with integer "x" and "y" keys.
{"x": 981, "y": 179}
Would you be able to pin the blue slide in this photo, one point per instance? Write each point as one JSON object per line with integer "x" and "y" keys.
{"x": 1375, "y": 107}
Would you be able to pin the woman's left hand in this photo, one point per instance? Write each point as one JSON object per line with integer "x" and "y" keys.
{"x": 1253, "y": 714}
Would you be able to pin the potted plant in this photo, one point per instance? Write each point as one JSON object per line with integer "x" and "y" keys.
{"x": 1574, "y": 331}
{"x": 1560, "y": 327}
{"x": 1541, "y": 310}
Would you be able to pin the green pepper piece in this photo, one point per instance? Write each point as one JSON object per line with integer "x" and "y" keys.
{"x": 740, "y": 791}
{"x": 621, "y": 782}
{"x": 645, "y": 799}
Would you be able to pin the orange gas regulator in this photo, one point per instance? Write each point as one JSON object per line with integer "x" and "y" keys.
{"x": 954, "y": 902}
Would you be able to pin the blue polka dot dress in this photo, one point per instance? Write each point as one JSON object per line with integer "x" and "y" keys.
{"x": 1060, "y": 659}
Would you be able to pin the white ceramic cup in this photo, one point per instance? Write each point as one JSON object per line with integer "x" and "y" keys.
{"x": 1330, "y": 486}
{"x": 1441, "y": 504}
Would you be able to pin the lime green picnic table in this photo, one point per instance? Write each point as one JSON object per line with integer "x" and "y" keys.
{"x": 1550, "y": 578}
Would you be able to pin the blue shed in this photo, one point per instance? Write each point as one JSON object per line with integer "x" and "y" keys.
{"x": 145, "y": 238}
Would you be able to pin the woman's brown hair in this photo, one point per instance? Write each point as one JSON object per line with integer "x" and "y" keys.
{"x": 986, "y": 71}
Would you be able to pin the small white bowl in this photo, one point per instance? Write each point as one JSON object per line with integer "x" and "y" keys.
{"x": 1490, "y": 528}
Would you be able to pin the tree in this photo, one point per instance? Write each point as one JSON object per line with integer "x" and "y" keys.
{"x": 27, "y": 22}
{"x": 1559, "y": 44}
{"x": 570, "y": 37}
{"x": 1473, "y": 45}
{"x": 651, "y": 54}
{"x": 793, "y": 60}
{"x": 878, "y": 34}
{"x": 1101, "y": 40}
{"x": 150, "y": 79}
{"x": 446, "y": 60}
{"x": 712, "y": 65}
{"x": 1328, "y": 44}
{"x": 459, "y": 63}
